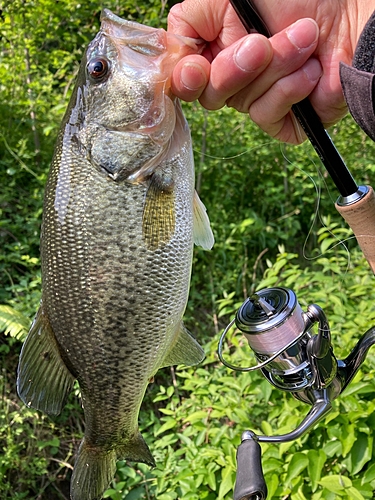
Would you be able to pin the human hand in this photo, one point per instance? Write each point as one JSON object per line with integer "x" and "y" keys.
{"x": 266, "y": 77}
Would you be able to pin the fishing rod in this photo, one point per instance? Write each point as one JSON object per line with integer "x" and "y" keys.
{"x": 290, "y": 356}
{"x": 356, "y": 203}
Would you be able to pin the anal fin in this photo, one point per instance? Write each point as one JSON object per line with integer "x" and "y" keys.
{"x": 186, "y": 350}
{"x": 43, "y": 380}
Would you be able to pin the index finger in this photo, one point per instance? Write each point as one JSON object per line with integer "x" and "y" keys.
{"x": 207, "y": 19}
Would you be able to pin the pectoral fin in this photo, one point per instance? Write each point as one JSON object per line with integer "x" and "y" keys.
{"x": 43, "y": 381}
{"x": 202, "y": 232}
{"x": 159, "y": 219}
{"x": 186, "y": 350}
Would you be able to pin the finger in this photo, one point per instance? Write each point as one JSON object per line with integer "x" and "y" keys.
{"x": 327, "y": 97}
{"x": 197, "y": 18}
{"x": 271, "y": 112}
{"x": 234, "y": 68}
{"x": 291, "y": 49}
{"x": 190, "y": 77}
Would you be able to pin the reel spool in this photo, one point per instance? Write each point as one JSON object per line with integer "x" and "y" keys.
{"x": 274, "y": 325}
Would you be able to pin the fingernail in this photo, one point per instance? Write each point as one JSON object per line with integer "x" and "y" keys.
{"x": 251, "y": 54}
{"x": 313, "y": 70}
{"x": 303, "y": 33}
{"x": 192, "y": 76}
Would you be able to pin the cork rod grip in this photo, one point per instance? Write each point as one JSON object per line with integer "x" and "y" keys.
{"x": 361, "y": 218}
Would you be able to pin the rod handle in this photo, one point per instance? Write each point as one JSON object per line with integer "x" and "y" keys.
{"x": 250, "y": 483}
{"x": 361, "y": 218}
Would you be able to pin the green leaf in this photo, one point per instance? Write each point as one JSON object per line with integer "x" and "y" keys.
{"x": 298, "y": 495}
{"x": 135, "y": 494}
{"x": 326, "y": 243}
{"x": 13, "y": 322}
{"x": 266, "y": 390}
{"x": 169, "y": 424}
{"x": 271, "y": 464}
{"x": 183, "y": 474}
{"x": 211, "y": 480}
{"x": 360, "y": 453}
{"x": 348, "y": 438}
{"x": 366, "y": 490}
{"x": 166, "y": 496}
{"x": 196, "y": 416}
{"x": 170, "y": 391}
{"x": 317, "y": 459}
{"x": 272, "y": 484}
{"x": 266, "y": 427}
{"x": 298, "y": 463}
{"x": 369, "y": 475}
{"x": 354, "y": 494}
{"x": 109, "y": 493}
{"x": 332, "y": 448}
{"x": 227, "y": 482}
{"x": 284, "y": 447}
{"x": 336, "y": 483}
{"x": 357, "y": 387}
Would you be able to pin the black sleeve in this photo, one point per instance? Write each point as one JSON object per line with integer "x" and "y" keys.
{"x": 358, "y": 82}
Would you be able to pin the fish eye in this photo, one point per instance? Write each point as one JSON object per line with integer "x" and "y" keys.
{"x": 98, "y": 68}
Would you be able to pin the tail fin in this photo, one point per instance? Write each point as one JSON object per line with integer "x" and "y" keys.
{"x": 95, "y": 468}
{"x": 93, "y": 471}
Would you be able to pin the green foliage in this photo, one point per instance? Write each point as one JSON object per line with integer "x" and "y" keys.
{"x": 30, "y": 443}
{"x": 275, "y": 224}
{"x": 13, "y": 322}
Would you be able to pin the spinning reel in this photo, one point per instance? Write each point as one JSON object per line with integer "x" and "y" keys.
{"x": 293, "y": 359}
{"x": 290, "y": 356}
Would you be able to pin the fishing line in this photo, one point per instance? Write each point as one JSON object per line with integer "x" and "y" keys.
{"x": 318, "y": 188}
{"x": 300, "y": 134}
{"x": 317, "y": 215}
{"x": 17, "y": 158}
{"x": 234, "y": 156}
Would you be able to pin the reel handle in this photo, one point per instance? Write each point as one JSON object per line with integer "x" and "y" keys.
{"x": 250, "y": 483}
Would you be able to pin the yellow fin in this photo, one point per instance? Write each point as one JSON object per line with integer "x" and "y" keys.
{"x": 159, "y": 218}
{"x": 202, "y": 232}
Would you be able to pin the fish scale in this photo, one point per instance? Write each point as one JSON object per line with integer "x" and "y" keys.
{"x": 119, "y": 219}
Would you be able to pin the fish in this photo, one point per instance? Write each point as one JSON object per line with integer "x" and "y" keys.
{"x": 120, "y": 219}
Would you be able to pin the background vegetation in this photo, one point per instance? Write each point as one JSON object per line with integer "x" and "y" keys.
{"x": 275, "y": 224}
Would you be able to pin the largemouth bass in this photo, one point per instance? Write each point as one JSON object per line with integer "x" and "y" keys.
{"x": 120, "y": 216}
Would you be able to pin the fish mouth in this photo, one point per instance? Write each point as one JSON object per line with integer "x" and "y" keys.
{"x": 137, "y": 36}
{"x": 149, "y": 51}
{"x": 147, "y": 40}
